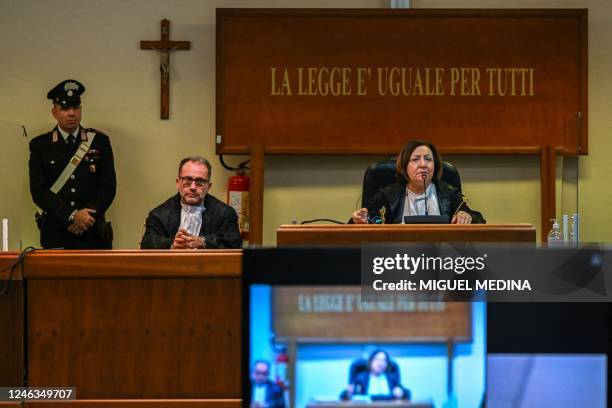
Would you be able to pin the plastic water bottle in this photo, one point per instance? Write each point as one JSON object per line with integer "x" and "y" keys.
{"x": 566, "y": 229}
{"x": 555, "y": 238}
{"x": 576, "y": 229}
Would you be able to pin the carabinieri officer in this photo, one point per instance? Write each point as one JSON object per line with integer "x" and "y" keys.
{"x": 72, "y": 176}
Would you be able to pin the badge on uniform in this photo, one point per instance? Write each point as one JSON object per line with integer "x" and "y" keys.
{"x": 54, "y": 136}
{"x": 91, "y": 157}
{"x": 93, "y": 154}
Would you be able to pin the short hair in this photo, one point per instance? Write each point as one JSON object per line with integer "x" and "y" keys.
{"x": 404, "y": 157}
{"x": 196, "y": 159}
{"x": 262, "y": 361}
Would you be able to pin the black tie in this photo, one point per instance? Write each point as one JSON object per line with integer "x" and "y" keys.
{"x": 71, "y": 140}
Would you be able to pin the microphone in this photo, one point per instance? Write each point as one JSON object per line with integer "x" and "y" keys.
{"x": 425, "y": 191}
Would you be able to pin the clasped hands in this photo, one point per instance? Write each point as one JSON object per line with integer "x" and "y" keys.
{"x": 461, "y": 217}
{"x": 82, "y": 221}
{"x": 184, "y": 240}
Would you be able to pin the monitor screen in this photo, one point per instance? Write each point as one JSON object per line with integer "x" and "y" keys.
{"x": 537, "y": 380}
{"x": 311, "y": 342}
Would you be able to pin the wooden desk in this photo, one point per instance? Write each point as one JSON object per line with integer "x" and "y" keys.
{"x": 355, "y": 234}
{"x": 135, "y": 324}
{"x": 11, "y": 323}
{"x": 128, "y": 403}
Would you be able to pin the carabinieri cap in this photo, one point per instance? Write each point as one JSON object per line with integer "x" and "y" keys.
{"x": 67, "y": 93}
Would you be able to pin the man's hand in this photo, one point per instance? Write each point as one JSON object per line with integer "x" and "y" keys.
{"x": 179, "y": 240}
{"x": 183, "y": 240}
{"x": 84, "y": 218}
{"x": 195, "y": 242}
{"x": 72, "y": 228}
{"x": 82, "y": 221}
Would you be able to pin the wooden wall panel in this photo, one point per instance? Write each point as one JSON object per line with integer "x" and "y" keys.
{"x": 135, "y": 332}
{"x": 356, "y": 234}
{"x": 336, "y": 314}
{"x": 11, "y": 324}
{"x": 482, "y": 81}
{"x": 187, "y": 403}
{"x": 52, "y": 264}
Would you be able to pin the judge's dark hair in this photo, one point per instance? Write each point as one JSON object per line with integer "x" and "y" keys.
{"x": 196, "y": 159}
{"x": 404, "y": 157}
{"x": 374, "y": 353}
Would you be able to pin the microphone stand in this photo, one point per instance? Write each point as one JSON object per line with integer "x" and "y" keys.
{"x": 425, "y": 191}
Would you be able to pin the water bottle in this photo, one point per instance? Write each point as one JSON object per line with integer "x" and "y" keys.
{"x": 566, "y": 229}
{"x": 576, "y": 229}
{"x": 555, "y": 238}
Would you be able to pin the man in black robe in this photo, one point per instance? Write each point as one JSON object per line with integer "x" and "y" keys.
{"x": 192, "y": 219}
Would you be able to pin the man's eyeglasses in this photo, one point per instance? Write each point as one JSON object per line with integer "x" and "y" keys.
{"x": 199, "y": 182}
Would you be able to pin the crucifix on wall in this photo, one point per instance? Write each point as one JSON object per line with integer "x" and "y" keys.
{"x": 165, "y": 47}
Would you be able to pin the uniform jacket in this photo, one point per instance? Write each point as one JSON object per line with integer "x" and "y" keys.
{"x": 92, "y": 185}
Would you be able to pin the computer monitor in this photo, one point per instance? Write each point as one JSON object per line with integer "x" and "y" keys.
{"x": 311, "y": 341}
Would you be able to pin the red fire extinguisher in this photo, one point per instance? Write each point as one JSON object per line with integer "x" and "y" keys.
{"x": 281, "y": 363}
{"x": 238, "y": 199}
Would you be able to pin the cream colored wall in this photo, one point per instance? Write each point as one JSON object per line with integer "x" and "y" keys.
{"x": 97, "y": 43}
{"x": 330, "y": 187}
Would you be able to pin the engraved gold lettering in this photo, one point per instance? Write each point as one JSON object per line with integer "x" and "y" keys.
{"x": 361, "y": 78}
{"x": 417, "y": 90}
{"x": 273, "y": 90}
{"x": 439, "y": 84}
{"x": 454, "y": 79}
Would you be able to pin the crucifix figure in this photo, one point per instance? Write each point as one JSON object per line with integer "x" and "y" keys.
{"x": 165, "y": 47}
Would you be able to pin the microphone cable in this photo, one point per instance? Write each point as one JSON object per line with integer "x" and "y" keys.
{"x": 18, "y": 261}
{"x": 241, "y": 166}
{"x": 320, "y": 220}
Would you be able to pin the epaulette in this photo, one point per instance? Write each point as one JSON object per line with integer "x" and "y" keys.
{"x": 99, "y": 132}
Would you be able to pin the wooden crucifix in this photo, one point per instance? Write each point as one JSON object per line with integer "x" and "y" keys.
{"x": 165, "y": 47}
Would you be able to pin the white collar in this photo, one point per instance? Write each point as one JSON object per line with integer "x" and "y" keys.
{"x": 193, "y": 208}
{"x": 66, "y": 134}
{"x": 412, "y": 194}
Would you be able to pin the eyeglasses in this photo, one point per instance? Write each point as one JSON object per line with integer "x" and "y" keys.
{"x": 199, "y": 182}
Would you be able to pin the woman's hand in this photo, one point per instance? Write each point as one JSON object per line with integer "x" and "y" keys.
{"x": 360, "y": 216}
{"x": 461, "y": 218}
{"x": 398, "y": 392}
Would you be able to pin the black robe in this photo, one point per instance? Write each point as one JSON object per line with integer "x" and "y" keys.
{"x": 393, "y": 196}
{"x": 274, "y": 395}
{"x": 219, "y": 225}
{"x": 362, "y": 381}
